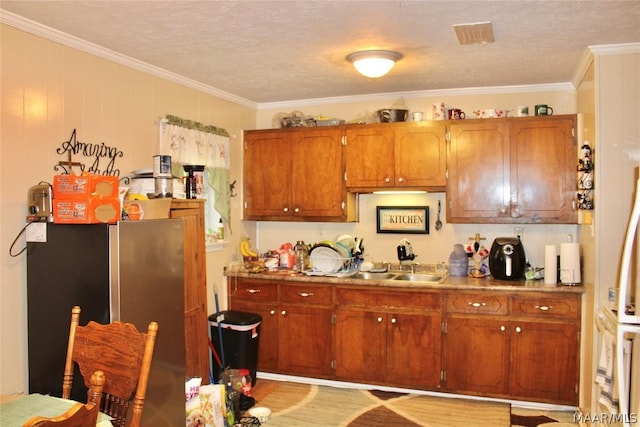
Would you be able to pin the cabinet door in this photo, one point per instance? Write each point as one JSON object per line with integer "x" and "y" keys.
{"x": 195, "y": 287}
{"x": 544, "y": 362}
{"x": 543, "y": 169}
{"x": 361, "y": 340}
{"x": 478, "y": 186}
{"x": 370, "y": 156}
{"x": 260, "y": 297}
{"x": 476, "y": 355}
{"x": 268, "y": 341}
{"x": 305, "y": 340}
{"x": 413, "y": 350}
{"x": 317, "y": 182}
{"x": 267, "y": 174}
{"x": 420, "y": 155}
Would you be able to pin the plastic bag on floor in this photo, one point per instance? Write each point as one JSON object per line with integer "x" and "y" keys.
{"x": 207, "y": 408}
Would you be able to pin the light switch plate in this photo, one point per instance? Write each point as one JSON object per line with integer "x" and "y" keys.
{"x": 37, "y": 232}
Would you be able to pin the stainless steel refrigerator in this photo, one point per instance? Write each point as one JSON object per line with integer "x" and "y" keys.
{"x": 130, "y": 271}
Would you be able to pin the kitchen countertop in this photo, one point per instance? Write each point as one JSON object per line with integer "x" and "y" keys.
{"x": 461, "y": 283}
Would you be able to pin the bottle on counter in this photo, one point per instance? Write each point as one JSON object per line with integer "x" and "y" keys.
{"x": 458, "y": 261}
{"x": 220, "y": 230}
{"x": 302, "y": 256}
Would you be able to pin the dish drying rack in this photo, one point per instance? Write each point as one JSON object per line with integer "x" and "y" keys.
{"x": 350, "y": 267}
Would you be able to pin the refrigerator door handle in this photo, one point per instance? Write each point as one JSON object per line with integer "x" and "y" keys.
{"x": 625, "y": 267}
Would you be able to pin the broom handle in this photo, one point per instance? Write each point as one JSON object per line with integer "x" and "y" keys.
{"x": 218, "y": 321}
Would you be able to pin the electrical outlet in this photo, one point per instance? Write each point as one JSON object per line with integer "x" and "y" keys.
{"x": 519, "y": 232}
{"x": 320, "y": 231}
{"x": 36, "y": 232}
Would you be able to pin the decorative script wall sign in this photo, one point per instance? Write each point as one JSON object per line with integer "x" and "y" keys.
{"x": 101, "y": 157}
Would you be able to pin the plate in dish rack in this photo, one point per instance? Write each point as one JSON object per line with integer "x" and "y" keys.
{"x": 325, "y": 259}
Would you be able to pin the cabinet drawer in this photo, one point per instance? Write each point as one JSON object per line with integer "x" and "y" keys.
{"x": 253, "y": 290}
{"x": 477, "y": 303}
{"x": 546, "y": 306}
{"x": 388, "y": 299}
{"x": 305, "y": 294}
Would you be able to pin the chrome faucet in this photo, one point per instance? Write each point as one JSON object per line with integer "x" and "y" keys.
{"x": 405, "y": 253}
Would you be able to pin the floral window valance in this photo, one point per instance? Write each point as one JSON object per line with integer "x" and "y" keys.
{"x": 191, "y": 143}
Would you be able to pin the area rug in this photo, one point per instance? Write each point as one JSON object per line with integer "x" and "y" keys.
{"x": 296, "y": 404}
{"x": 308, "y": 405}
{"x": 525, "y": 417}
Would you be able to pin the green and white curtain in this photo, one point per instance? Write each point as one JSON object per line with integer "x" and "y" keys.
{"x": 192, "y": 143}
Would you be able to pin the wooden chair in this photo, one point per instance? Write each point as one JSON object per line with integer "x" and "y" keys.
{"x": 79, "y": 415}
{"x": 122, "y": 353}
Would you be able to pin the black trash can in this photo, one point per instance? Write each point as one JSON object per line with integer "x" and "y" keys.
{"x": 240, "y": 338}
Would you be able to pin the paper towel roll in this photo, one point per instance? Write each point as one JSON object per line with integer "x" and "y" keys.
{"x": 550, "y": 264}
{"x": 570, "y": 263}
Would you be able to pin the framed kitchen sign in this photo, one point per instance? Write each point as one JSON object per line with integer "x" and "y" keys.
{"x": 403, "y": 219}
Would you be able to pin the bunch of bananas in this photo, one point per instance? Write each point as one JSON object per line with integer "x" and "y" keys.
{"x": 246, "y": 250}
{"x": 250, "y": 256}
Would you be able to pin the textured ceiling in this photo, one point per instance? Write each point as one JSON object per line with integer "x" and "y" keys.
{"x": 270, "y": 51}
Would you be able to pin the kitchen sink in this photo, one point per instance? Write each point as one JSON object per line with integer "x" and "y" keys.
{"x": 418, "y": 277}
{"x": 374, "y": 276}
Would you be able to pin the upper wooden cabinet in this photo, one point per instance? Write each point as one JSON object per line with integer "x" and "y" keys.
{"x": 296, "y": 175}
{"x": 396, "y": 156}
{"x": 519, "y": 170}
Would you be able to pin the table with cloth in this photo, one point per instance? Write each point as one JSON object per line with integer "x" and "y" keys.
{"x": 15, "y": 410}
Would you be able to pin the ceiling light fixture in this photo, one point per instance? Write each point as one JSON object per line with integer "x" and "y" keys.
{"x": 373, "y": 63}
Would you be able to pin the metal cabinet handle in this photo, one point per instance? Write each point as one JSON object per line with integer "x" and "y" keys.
{"x": 544, "y": 307}
{"x": 394, "y": 320}
{"x": 518, "y": 329}
{"x": 379, "y": 319}
{"x": 478, "y": 304}
{"x": 272, "y": 312}
{"x": 387, "y": 179}
{"x": 305, "y": 294}
{"x": 401, "y": 179}
{"x": 254, "y": 291}
{"x": 503, "y": 328}
{"x": 286, "y": 209}
{"x": 283, "y": 312}
{"x": 296, "y": 210}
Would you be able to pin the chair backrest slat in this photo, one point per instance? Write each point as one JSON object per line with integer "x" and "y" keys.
{"x": 123, "y": 353}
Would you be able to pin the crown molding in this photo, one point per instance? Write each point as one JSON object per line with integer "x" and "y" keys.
{"x": 615, "y": 49}
{"x": 68, "y": 40}
{"x": 602, "y": 50}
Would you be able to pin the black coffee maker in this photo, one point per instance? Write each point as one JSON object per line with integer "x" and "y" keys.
{"x": 507, "y": 260}
{"x": 191, "y": 181}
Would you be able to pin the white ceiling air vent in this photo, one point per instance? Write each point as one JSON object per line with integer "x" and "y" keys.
{"x": 478, "y": 32}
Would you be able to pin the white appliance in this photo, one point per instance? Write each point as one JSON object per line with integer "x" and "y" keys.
{"x": 621, "y": 321}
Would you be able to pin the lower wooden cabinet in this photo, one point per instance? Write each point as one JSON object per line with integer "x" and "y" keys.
{"x": 296, "y": 329}
{"x": 388, "y": 337}
{"x": 544, "y": 361}
{"x": 476, "y": 356}
{"x": 532, "y": 353}
{"x": 519, "y": 345}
